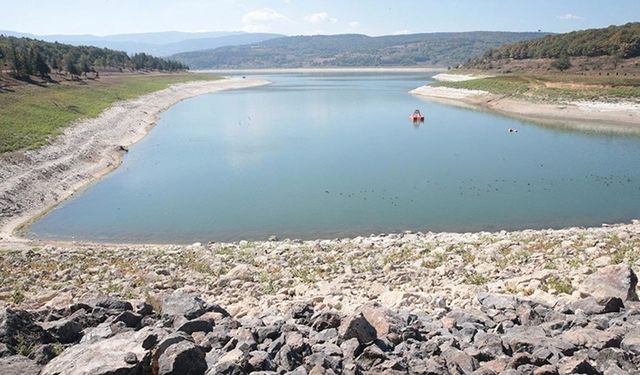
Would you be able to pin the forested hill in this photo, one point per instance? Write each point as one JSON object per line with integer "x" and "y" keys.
{"x": 24, "y": 57}
{"x": 355, "y": 50}
{"x": 614, "y": 41}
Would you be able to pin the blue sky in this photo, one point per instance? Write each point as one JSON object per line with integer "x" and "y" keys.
{"x": 293, "y": 17}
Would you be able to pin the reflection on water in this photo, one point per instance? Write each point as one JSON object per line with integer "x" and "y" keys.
{"x": 336, "y": 155}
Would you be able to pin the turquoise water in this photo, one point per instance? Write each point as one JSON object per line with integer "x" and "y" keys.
{"x": 323, "y": 156}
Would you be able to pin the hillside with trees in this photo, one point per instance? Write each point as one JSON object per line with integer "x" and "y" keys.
{"x": 354, "y": 50}
{"x": 24, "y": 57}
{"x": 584, "y": 50}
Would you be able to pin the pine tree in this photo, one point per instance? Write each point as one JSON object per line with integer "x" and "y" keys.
{"x": 41, "y": 66}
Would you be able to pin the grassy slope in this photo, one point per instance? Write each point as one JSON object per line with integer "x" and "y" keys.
{"x": 30, "y": 115}
{"x": 537, "y": 87}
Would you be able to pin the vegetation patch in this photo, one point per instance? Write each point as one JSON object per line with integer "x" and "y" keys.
{"x": 32, "y": 115}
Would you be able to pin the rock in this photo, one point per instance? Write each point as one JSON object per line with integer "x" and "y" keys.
{"x": 301, "y": 313}
{"x": 357, "y": 326}
{"x": 497, "y": 301}
{"x": 242, "y": 272}
{"x": 101, "y": 357}
{"x": 591, "y": 338}
{"x": 383, "y": 320}
{"x": 592, "y": 306}
{"x": 18, "y": 365}
{"x": 182, "y": 358}
{"x": 111, "y": 303}
{"x": 259, "y": 360}
{"x": 611, "y": 281}
{"x": 180, "y": 303}
{"x": 631, "y": 341}
{"x": 21, "y": 324}
{"x": 325, "y": 320}
{"x": 457, "y": 360}
{"x": 65, "y": 331}
{"x": 196, "y": 325}
{"x": 43, "y": 354}
{"x": 130, "y": 319}
{"x": 576, "y": 365}
{"x": 546, "y": 370}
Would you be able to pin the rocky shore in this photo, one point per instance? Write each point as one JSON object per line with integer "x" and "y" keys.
{"x": 525, "y": 302}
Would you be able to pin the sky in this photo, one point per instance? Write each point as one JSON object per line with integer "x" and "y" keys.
{"x": 304, "y": 17}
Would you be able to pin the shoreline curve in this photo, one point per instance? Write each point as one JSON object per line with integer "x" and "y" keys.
{"x": 32, "y": 182}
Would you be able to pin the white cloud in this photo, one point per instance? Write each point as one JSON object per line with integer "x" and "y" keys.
{"x": 354, "y": 25}
{"x": 570, "y": 16}
{"x": 321, "y": 17}
{"x": 263, "y": 20}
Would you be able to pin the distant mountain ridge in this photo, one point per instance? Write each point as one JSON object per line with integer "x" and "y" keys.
{"x": 156, "y": 43}
{"x": 430, "y": 49}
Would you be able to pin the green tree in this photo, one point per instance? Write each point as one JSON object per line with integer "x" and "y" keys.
{"x": 562, "y": 63}
{"x": 84, "y": 65}
{"x": 15, "y": 60}
{"x": 41, "y": 66}
{"x": 70, "y": 65}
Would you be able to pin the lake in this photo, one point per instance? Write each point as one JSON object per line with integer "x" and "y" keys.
{"x": 334, "y": 155}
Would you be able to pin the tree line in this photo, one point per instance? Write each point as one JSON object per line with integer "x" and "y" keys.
{"x": 617, "y": 41}
{"x": 25, "y": 57}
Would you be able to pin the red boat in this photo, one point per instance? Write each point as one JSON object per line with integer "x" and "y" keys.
{"x": 416, "y": 116}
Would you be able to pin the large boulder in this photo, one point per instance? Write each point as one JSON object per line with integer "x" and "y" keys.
{"x": 182, "y": 358}
{"x": 123, "y": 353}
{"x": 611, "y": 281}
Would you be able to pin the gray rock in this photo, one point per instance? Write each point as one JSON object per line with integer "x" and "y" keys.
{"x": 612, "y": 281}
{"x": 591, "y": 338}
{"x": 196, "y": 325}
{"x": 260, "y": 360}
{"x": 18, "y": 365}
{"x": 576, "y": 365}
{"x": 325, "y": 320}
{"x": 65, "y": 331}
{"x": 101, "y": 357}
{"x": 43, "y": 354}
{"x": 180, "y": 303}
{"x": 457, "y": 360}
{"x": 111, "y": 303}
{"x": 591, "y": 306}
{"x": 631, "y": 341}
{"x": 182, "y": 358}
{"x": 546, "y": 370}
{"x": 497, "y": 301}
{"x": 21, "y": 324}
{"x": 357, "y": 326}
{"x": 130, "y": 319}
{"x": 227, "y": 368}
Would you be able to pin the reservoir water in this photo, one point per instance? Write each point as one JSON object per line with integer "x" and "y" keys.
{"x": 323, "y": 156}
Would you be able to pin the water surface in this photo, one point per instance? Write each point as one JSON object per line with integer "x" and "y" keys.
{"x": 321, "y": 156}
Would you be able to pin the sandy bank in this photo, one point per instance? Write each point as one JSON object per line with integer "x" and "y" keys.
{"x": 33, "y": 181}
{"x": 445, "y": 77}
{"x": 623, "y": 117}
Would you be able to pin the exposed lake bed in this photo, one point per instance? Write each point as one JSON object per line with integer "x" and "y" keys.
{"x": 292, "y": 160}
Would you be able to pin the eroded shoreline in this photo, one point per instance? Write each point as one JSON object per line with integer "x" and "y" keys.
{"x": 34, "y": 181}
